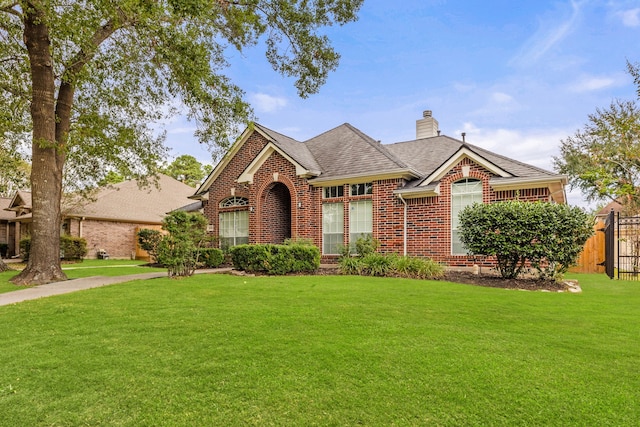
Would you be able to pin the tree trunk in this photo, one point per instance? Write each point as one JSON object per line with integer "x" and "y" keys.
{"x": 47, "y": 159}
{"x": 3, "y": 266}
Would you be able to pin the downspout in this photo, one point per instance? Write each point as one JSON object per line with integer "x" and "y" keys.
{"x": 404, "y": 226}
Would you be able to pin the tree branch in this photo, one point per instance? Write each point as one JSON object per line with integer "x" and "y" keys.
{"x": 9, "y": 8}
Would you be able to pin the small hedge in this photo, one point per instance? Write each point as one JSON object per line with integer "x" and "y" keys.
{"x": 211, "y": 257}
{"x": 71, "y": 248}
{"x": 276, "y": 259}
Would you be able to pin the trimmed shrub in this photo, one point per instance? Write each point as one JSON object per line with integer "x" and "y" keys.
{"x": 4, "y": 249}
{"x": 276, "y": 259}
{"x": 549, "y": 236}
{"x": 211, "y": 257}
{"x": 71, "y": 248}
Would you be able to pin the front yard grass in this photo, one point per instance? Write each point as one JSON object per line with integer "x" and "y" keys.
{"x": 322, "y": 350}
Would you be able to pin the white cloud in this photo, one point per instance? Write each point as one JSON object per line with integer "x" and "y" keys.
{"x": 264, "y": 103}
{"x": 537, "y": 147}
{"x": 548, "y": 35}
{"x": 501, "y": 98}
{"x": 631, "y": 17}
{"x": 588, "y": 84}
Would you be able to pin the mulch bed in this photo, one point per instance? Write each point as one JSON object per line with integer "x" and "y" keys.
{"x": 495, "y": 281}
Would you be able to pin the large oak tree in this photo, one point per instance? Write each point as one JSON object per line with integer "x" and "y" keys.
{"x": 90, "y": 78}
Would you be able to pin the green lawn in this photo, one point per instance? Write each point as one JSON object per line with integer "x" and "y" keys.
{"x": 322, "y": 350}
{"x": 87, "y": 268}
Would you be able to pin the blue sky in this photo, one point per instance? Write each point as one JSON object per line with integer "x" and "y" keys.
{"x": 516, "y": 76}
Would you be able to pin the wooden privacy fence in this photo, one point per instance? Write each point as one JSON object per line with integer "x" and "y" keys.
{"x": 593, "y": 254}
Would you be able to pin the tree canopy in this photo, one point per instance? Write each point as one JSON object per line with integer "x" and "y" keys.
{"x": 187, "y": 169}
{"x": 603, "y": 158}
{"x": 89, "y": 79}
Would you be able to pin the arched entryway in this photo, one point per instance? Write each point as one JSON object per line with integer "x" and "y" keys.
{"x": 275, "y": 212}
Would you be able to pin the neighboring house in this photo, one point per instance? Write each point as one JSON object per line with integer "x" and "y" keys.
{"x": 110, "y": 219}
{"x": 343, "y": 184}
{"x": 17, "y": 211}
{"x": 7, "y": 229}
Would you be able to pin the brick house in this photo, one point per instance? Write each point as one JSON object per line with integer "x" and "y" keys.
{"x": 10, "y": 227}
{"x": 343, "y": 184}
{"x": 7, "y": 229}
{"x": 111, "y": 218}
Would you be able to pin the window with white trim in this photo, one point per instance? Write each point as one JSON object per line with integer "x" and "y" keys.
{"x": 332, "y": 228}
{"x": 234, "y": 228}
{"x": 361, "y": 189}
{"x": 233, "y": 201}
{"x": 464, "y": 193}
{"x": 335, "y": 191}
{"x": 360, "y": 220}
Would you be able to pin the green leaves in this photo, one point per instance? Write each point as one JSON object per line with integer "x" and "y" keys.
{"x": 603, "y": 159}
{"x": 548, "y": 236}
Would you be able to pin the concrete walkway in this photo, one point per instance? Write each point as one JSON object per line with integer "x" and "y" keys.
{"x": 74, "y": 285}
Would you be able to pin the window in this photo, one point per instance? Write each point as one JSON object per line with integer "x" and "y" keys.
{"x": 332, "y": 228}
{"x": 361, "y": 189}
{"x": 360, "y": 220}
{"x": 463, "y": 193}
{"x": 234, "y": 201}
{"x": 234, "y": 228}
{"x": 335, "y": 191}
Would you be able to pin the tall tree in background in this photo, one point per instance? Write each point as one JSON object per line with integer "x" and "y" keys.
{"x": 14, "y": 173}
{"x": 90, "y": 78}
{"x": 603, "y": 159}
{"x": 187, "y": 169}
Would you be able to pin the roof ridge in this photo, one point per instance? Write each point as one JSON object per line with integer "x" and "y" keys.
{"x": 269, "y": 130}
{"x": 369, "y": 140}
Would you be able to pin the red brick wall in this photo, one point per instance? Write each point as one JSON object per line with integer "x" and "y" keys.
{"x": 429, "y": 219}
{"x": 117, "y": 238}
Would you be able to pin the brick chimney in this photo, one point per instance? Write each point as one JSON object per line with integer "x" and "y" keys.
{"x": 427, "y": 126}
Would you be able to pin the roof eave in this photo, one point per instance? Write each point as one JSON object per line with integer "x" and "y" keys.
{"x": 321, "y": 181}
{"x": 555, "y": 184}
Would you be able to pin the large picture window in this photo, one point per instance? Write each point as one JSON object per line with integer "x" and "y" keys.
{"x": 463, "y": 193}
{"x": 234, "y": 228}
{"x": 360, "y": 220}
{"x": 332, "y": 228}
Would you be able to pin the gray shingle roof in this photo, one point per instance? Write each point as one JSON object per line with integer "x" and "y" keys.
{"x": 6, "y": 215}
{"x": 298, "y": 151}
{"x": 345, "y": 150}
{"x": 427, "y": 154}
{"x": 127, "y": 202}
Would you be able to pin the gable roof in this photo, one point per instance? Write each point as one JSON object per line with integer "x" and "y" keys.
{"x": 5, "y": 213}
{"x": 345, "y": 152}
{"x": 345, "y": 155}
{"x": 127, "y": 202}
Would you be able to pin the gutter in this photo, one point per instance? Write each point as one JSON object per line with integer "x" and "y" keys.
{"x": 404, "y": 226}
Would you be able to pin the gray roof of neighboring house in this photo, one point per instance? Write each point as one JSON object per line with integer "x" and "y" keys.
{"x": 6, "y": 215}
{"x": 127, "y": 202}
